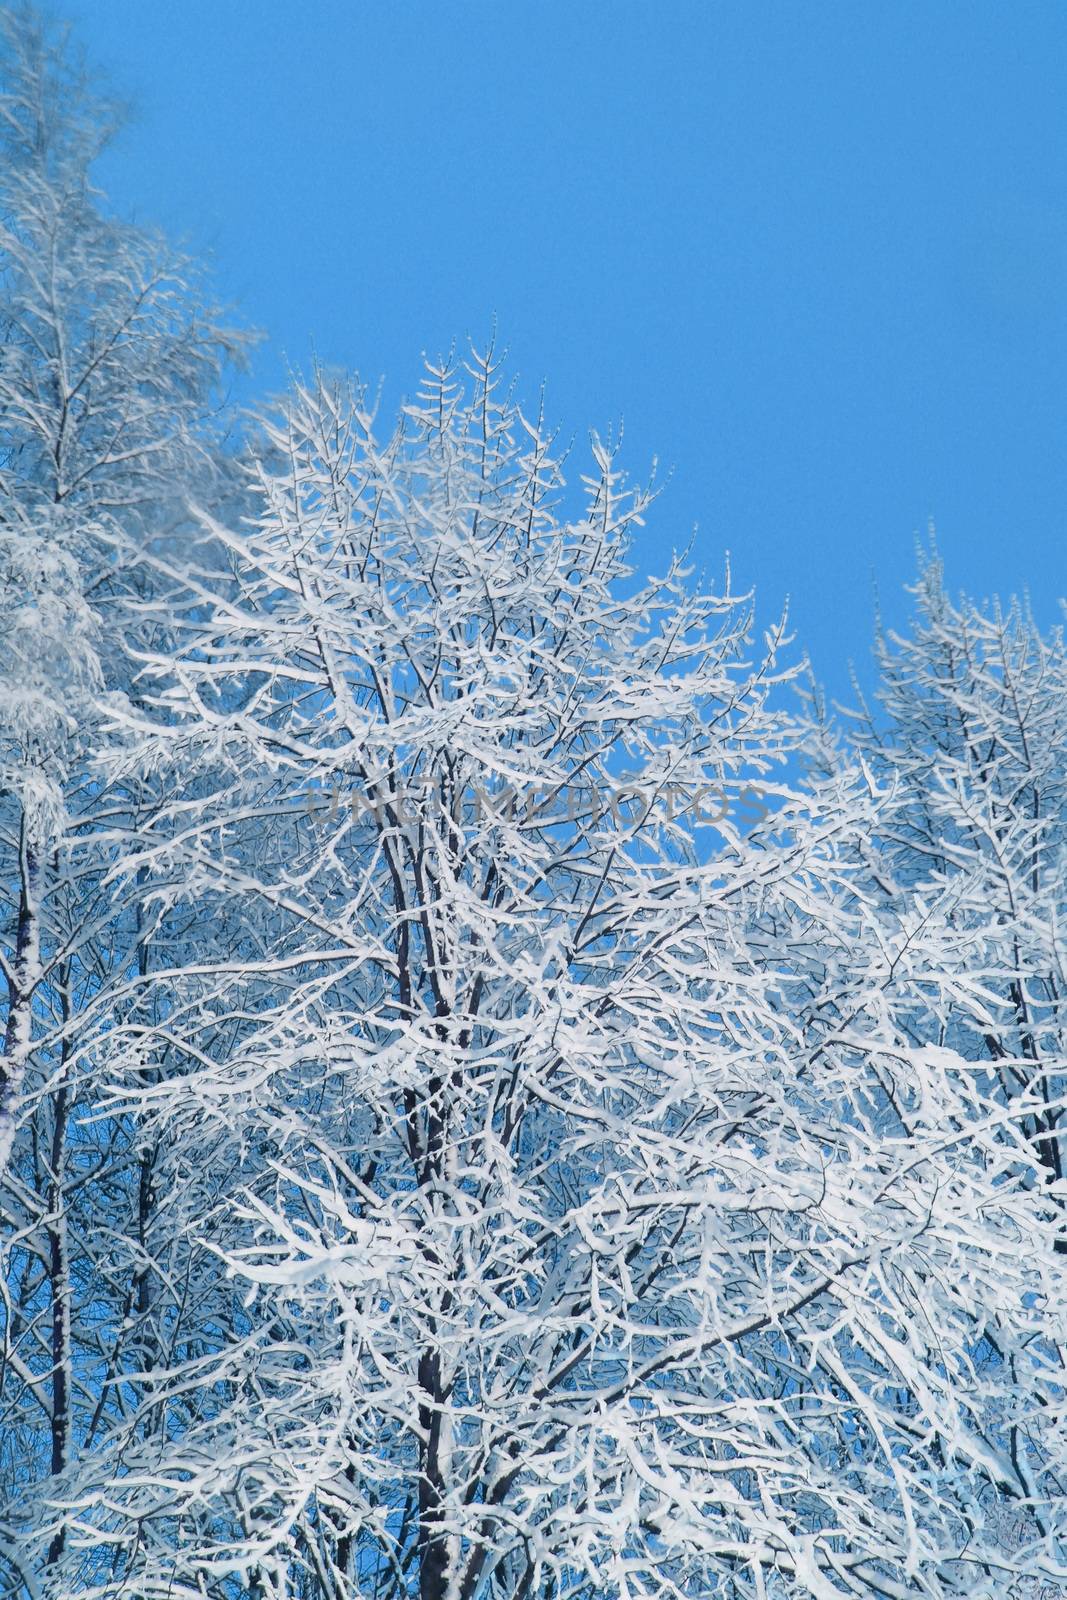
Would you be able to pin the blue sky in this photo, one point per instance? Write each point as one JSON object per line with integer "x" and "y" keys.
{"x": 814, "y": 256}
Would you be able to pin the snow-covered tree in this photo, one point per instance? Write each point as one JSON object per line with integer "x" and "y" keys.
{"x": 974, "y": 735}
{"x": 567, "y": 1205}
{"x": 109, "y": 362}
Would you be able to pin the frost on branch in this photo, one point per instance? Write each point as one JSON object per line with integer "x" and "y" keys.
{"x": 572, "y": 1202}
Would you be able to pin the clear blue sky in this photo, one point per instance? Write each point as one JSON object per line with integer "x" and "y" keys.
{"x": 814, "y": 255}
